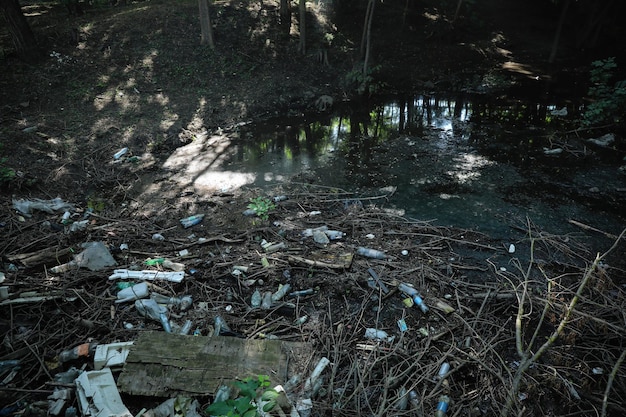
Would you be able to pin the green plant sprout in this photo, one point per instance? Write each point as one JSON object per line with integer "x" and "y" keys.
{"x": 261, "y": 206}
{"x": 252, "y": 392}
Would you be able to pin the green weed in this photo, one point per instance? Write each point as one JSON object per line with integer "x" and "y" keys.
{"x": 261, "y": 206}
{"x": 252, "y": 391}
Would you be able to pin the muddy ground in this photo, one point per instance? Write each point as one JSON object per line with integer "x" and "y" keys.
{"x": 133, "y": 76}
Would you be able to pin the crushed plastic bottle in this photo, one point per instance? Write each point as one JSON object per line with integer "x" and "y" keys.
{"x": 220, "y": 326}
{"x": 256, "y": 299}
{"x": 266, "y": 304}
{"x": 149, "y": 308}
{"x": 281, "y": 292}
{"x": 414, "y": 294}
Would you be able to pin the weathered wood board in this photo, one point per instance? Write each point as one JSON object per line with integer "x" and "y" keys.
{"x": 163, "y": 364}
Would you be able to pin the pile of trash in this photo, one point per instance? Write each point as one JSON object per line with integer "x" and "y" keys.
{"x": 302, "y": 302}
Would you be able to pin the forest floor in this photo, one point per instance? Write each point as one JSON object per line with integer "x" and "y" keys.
{"x": 134, "y": 76}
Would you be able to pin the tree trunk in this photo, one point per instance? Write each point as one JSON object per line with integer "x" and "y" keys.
{"x": 285, "y": 16}
{"x": 559, "y": 30}
{"x": 21, "y": 34}
{"x": 302, "y": 45}
{"x": 205, "y": 24}
{"x": 367, "y": 36}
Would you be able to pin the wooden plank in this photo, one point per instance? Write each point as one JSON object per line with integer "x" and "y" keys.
{"x": 163, "y": 364}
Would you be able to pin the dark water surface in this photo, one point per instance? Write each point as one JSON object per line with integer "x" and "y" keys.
{"x": 462, "y": 161}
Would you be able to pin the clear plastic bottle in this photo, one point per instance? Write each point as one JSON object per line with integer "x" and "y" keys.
{"x": 371, "y": 253}
{"x": 83, "y": 350}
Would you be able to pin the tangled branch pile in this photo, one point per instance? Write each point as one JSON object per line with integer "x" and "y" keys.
{"x": 491, "y": 306}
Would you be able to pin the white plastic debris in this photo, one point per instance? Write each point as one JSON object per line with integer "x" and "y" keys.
{"x": 95, "y": 257}
{"x": 604, "y": 140}
{"x": 511, "y": 248}
{"x": 98, "y": 395}
{"x": 555, "y": 151}
{"x": 171, "y": 276}
{"x": 133, "y": 293}
{"x": 26, "y": 207}
{"x": 381, "y": 335}
{"x": 110, "y": 355}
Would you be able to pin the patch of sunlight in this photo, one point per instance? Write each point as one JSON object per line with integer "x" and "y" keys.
{"x": 223, "y": 180}
{"x": 272, "y": 177}
{"x": 126, "y": 102}
{"x": 159, "y": 99}
{"x": 201, "y": 163}
{"x": 432, "y": 16}
{"x": 519, "y": 68}
{"x": 128, "y": 133}
{"x": 168, "y": 120}
{"x": 197, "y": 121}
{"x": 148, "y": 60}
{"x": 467, "y": 167}
{"x": 103, "y": 100}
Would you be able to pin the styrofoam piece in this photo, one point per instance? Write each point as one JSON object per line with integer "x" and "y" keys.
{"x": 98, "y": 395}
{"x": 172, "y": 276}
{"x": 110, "y": 355}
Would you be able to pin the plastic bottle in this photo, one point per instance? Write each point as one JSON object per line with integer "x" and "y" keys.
{"x": 183, "y": 302}
{"x": 186, "y": 327}
{"x": 300, "y": 293}
{"x": 445, "y": 368}
{"x": 191, "y": 220}
{"x": 370, "y": 253}
{"x": 334, "y": 234}
{"x": 255, "y": 300}
{"x": 412, "y": 292}
{"x": 151, "y": 309}
{"x": 220, "y": 326}
{"x": 120, "y": 153}
{"x": 280, "y": 293}
{"x": 267, "y": 301}
{"x": 83, "y": 350}
{"x": 442, "y": 407}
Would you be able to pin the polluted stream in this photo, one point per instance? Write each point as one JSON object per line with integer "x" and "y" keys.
{"x": 465, "y": 162}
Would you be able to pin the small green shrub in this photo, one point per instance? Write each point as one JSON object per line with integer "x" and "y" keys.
{"x": 6, "y": 174}
{"x": 609, "y": 99}
{"x": 252, "y": 391}
{"x": 261, "y": 206}
{"x": 364, "y": 83}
